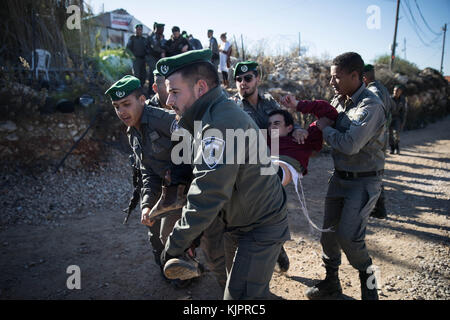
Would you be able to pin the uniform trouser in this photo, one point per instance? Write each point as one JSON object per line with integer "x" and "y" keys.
{"x": 155, "y": 241}
{"x": 348, "y": 205}
{"x": 394, "y": 132}
{"x": 250, "y": 258}
{"x": 139, "y": 70}
{"x": 158, "y": 233}
{"x": 211, "y": 243}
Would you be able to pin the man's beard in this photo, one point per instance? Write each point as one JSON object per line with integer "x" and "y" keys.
{"x": 248, "y": 93}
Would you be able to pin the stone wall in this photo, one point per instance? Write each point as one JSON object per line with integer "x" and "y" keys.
{"x": 35, "y": 134}
{"x": 428, "y": 92}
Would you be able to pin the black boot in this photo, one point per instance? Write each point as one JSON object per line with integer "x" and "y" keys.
{"x": 157, "y": 255}
{"x": 368, "y": 286}
{"x": 283, "y": 261}
{"x": 392, "y": 149}
{"x": 329, "y": 288}
{"x": 398, "y": 148}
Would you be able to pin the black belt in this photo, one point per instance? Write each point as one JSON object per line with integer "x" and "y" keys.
{"x": 352, "y": 175}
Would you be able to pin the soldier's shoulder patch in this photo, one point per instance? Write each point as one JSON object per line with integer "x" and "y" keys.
{"x": 212, "y": 151}
{"x": 360, "y": 117}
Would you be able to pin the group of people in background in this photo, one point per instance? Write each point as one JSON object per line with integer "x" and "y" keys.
{"x": 148, "y": 50}
{"x": 239, "y": 217}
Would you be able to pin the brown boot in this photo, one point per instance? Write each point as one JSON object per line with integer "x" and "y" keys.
{"x": 172, "y": 198}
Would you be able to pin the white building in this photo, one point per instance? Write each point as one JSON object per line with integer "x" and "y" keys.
{"x": 115, "y": 28}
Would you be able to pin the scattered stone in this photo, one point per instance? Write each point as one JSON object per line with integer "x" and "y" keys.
{"x": 12, "y": 137}
{"x": 7, "y": 126}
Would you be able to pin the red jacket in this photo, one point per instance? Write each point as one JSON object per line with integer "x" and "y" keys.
{"x": 302, "y": 152}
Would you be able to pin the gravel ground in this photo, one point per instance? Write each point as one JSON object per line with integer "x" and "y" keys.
{"x": 50, "y": 221}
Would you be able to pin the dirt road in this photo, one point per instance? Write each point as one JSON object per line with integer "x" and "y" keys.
{"x": 411, "y": 248}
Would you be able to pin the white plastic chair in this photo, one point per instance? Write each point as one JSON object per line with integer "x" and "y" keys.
{"x": 43, "y": 62}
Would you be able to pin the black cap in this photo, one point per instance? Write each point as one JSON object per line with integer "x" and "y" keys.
{"x": 175, "y": 28}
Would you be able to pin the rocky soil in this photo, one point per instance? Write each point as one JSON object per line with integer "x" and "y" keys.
{"x": 51, "y": 221}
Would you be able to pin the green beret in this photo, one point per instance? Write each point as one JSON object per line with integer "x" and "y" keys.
{"x": 138, "y": 25}
{"x": 245, "y": 66}
{"x": 159, "y": 25}
{"x": 156, "y": 73}
{"x": 169, "y": 65}
{"x": 368, "y": 68}
{"x": 123, "y": 87}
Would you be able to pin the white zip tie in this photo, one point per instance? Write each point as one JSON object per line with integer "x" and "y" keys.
{"x": 296, "y": 178}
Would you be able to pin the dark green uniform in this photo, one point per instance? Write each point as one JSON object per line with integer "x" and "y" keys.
{"x": 399, "y": 111}
{"x": 357, "y": 142}
{"x": 155, "y": 48}
{"x": 251, "y": 205}
{"x": 213, "y": 45}
{"x": 260, "y": 113}
{"x": 152, "y": 147}
{"x": 382, "y": 93}
{"x": 138, "y": 46}
{"x": 155, "y": 102}
{"x": 173, "y": 46}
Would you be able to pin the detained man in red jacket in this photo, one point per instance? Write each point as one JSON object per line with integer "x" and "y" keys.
{"x": 294, "y": 154}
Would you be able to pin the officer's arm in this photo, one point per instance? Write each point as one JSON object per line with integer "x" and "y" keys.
{"x": 209, "y": 191}
{"x": 360, "y": 132}
{"x": 320, "y": 108}
{"x": 129, "y": 46}
{"x": 151, "y": 187}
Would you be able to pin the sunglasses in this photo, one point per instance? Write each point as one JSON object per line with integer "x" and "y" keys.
{"x": 246, "y": 78}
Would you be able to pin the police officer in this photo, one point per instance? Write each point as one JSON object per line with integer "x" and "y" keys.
{"x": 357, "y": 141}
{"x": 258, "y": 106}
{"x": 159, "y": 87}
{"x": 176, "y": 44}
{"x": 214, "y": 47}
{"x": 149, "y": 133}
{"x": 399, "y": 112}
{"x": 377, "y": 87}
{"x": 137, "y": 45}
{"x": 252, "y": 206}
{"x": 155, "y": 48}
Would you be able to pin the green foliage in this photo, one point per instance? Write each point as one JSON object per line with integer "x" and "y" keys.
{"x": 114, "y": 63}
{"x": 400, "y": 65}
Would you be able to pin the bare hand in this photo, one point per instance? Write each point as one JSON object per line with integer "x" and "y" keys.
{"x": 300, "y": 135}
{"x": 324, "y": 122}
{"x": 290, "y": 102}
{"x": 145, "y": 220}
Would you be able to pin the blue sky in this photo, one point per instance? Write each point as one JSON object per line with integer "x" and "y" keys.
{"x": 327, "y": 27}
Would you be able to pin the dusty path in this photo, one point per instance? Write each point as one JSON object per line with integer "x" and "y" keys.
{"x": 411, "y": 248}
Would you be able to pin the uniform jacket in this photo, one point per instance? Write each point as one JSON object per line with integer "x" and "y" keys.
{"x": 242, "y": 197}
{"x": 260, "y": 114}
{"x": 214, "y": 46}
{"x": 155, "y": 45}
{"x": 358, "y": 136}
{"x": 382, "y": 93}
{"x": 152, "y": 148}
{"x": 138, "y": 46}
{"x": 399, "y": 108}
{"x": 173, "y": 46}
{"x": 155, "y": 102}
